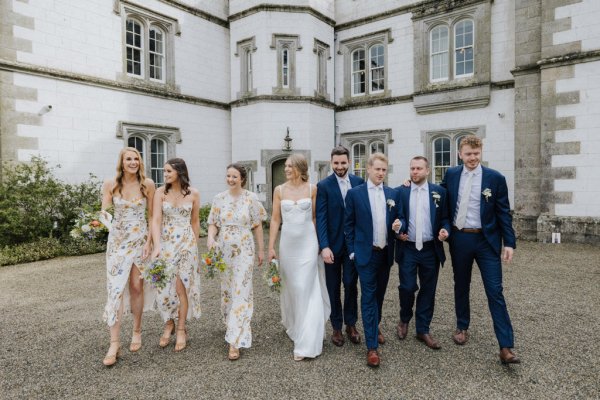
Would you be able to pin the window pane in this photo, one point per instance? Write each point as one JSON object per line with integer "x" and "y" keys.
{"x": 439, "y": 53}
{"x": 441, "y": 158}
{"x": 358, "y": 72}
{"x": 133, "y": 40}
{"x": 377, "y": 147}
{"x": 157, "y": 160}
{"x": 359, "y": 160}
{"x": 377, "y": 68}
{"x": 157, "y": 56}
{"x": 463, "y": 43}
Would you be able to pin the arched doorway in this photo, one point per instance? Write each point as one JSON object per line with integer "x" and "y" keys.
{"x": 277, "y": 174}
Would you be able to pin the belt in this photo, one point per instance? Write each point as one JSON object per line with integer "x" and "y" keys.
{"x": 377, "y": 248}
{"x": 467, "y": 230}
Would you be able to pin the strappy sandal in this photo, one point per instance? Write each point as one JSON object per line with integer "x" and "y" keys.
{"x": 136, "y": 345}
{"x": 111, "y": 359}
{"x": 178, "y": 345}
{"x": 164, "y": 340}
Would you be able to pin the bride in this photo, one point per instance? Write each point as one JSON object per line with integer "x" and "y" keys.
{"x": 304, "y": 300}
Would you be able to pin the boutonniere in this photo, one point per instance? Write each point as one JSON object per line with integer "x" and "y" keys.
{"x": 487, "y": 193}
{"x": 436, "y": 198}
{"x": 391, "y": 203}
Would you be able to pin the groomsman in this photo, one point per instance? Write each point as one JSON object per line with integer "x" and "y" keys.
{"x": 331, "y": 194}
{"x": 371, "y": 208}
{"x": 478, "y": 204}
{"x": 419, "y": 250}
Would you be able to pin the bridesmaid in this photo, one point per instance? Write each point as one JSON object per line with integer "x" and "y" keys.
{"x": 233, "y": 216}
{"x": 175, "y": 229}
{"x": 131, "y": 194}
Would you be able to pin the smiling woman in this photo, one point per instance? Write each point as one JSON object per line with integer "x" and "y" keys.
{"x": 131, "y": 195}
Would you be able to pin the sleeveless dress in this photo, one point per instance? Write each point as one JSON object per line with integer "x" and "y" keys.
{"x": 124, "y": 248}
{"x": 180, "y": 249}
{"x": 235, "y": 218}
{"x": 304, "y": 300}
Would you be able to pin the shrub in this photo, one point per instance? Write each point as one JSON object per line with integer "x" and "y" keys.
{"x": 34, "y": 204}
{"x": 204, "y": 212}
{"x": 45, "y": 248}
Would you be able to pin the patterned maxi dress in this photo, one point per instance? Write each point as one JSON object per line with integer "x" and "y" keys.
{"x": 180, "y": 249}
{"x": 125, "y": 245}
{"x": 235, "y": 218}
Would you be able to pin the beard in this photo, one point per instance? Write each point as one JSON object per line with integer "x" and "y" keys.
{"x": 341, "y": 174}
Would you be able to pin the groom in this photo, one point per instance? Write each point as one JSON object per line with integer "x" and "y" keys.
{"x": 371, "y": 208}
{"x": 331, "y": 194}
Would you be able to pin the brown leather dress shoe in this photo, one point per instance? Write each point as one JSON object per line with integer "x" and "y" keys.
{"x": 508, "y": 357}
{"x": 461, "y": 336}
{"x": 402, "y": 330}
{"x": 429, "y": 341}
{"x": 373, "y": 359}
{"x": 353, "y": 334}
{"x": 380, "y": 338}
{"x": 337, "y": 338}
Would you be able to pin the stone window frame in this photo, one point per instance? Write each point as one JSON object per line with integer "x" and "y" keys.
{"x": 365, "y": 42}
{"x": 244, "y": 50}
{"x": 171, "y": 136}
{"x": 281, "y": 42}
{"x": 423, "y": 24}
{"x": 451, "y": 49}
{"x": 323, "y": 54}
{"x": 148, "y": 19}
{"x": 429, "y": 137}
{"x": 366, "y": 138}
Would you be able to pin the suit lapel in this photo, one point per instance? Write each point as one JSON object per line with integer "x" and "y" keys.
{"x": 432, "y": 207}
{"x": 365, "y": 197}
{"x": 485, "y": 184}
{"x": 337, "y": 190}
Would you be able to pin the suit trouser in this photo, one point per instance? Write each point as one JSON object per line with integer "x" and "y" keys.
{"x": 423, "y": 263}
{"x": 374, "y": 278}
{"x": 342, "y": 270}
{"x": 464, "y": 249}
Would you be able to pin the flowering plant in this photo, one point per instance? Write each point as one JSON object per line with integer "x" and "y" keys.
{"x": 158, "y": 273}
{"x": 213, "y": 260}
{"x": 272, "y": 276}
{"x": 88, "y": 226}
{"x": 391, "y": 203}
{"x": 487, "y": 193}
{"x": 436, "y": 198}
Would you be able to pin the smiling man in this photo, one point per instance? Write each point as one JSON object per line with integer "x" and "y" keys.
{"x": 482, "y": 231}
{"x": 331, "y": 195}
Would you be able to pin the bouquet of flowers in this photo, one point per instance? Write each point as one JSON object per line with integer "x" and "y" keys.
{"x": 158, "y": 273}
{"x": 272, "y": 276}
{"x": 88, "y": 226}
{"x": 213, "y": 260}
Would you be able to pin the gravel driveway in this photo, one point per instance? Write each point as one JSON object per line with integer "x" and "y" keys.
{"x": 53, "y": 341}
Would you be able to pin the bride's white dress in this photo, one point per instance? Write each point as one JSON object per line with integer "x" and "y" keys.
{"x": 304, "y": 301}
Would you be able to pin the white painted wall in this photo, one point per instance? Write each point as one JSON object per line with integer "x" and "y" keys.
{"x": 584, "y": 24}
{"x": 350, "y": 10}
{"x": 586, "y": 185}
{"x": 325, "y": 7}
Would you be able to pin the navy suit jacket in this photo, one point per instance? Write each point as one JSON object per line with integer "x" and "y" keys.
{"x": 330, "y": 213}
{"x": 438, "y": 211}
{"x": 358, "y": 223}
{"x": 496, "y": 221}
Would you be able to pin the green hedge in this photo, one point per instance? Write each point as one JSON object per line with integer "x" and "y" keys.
{"x": 45, "y": 248}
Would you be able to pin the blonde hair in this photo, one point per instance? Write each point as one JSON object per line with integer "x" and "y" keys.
{"x": 377, "y": 156}
{"x": 298, "y": 161}
{"x": 141, "y": 174}
{"x": 472, "y": 141}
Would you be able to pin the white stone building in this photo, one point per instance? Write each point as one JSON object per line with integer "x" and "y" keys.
{"x": 216, "y": 81}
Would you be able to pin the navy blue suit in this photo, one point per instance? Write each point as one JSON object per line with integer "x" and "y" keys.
{"x": 424, "y": 263}
{"x": 373, "y": 265}
{"x": 485, "y": 248}
{"x": 330, "y": 232}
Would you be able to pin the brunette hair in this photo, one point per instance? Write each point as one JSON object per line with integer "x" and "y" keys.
{"x": 421, "y": 158}
{"x": 141, "y": 174}
{"x": 472, "y": 141}
{"x": 182, "y": 173}
{"x": 298, "y": 161}
{"x": 340, "y": 151}
{"x": 241, "y": 169}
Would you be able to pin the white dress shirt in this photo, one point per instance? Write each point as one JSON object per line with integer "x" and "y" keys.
{"x": 341, "y": 184}
{"x": 378, "y": 212}
{"x": 425, "y": 212}
{"x": 473, "y": 219}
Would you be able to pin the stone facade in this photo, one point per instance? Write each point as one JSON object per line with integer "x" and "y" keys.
{"x": 532, "y": 96}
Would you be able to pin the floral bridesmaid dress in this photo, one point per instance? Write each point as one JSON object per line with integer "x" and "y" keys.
{"x": 124, "y": 249}
{"x": 179, "y": 248}
{"x": 235, "y": 218}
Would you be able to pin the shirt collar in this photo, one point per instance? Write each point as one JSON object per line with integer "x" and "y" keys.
{"x": 476, "y": 171}
{"x": 371, "y": 185}
{"x": 346, "y": 178}
{"x": 414, "y": 186}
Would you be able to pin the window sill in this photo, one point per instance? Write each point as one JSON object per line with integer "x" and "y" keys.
{"x": 451, "y": 97}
